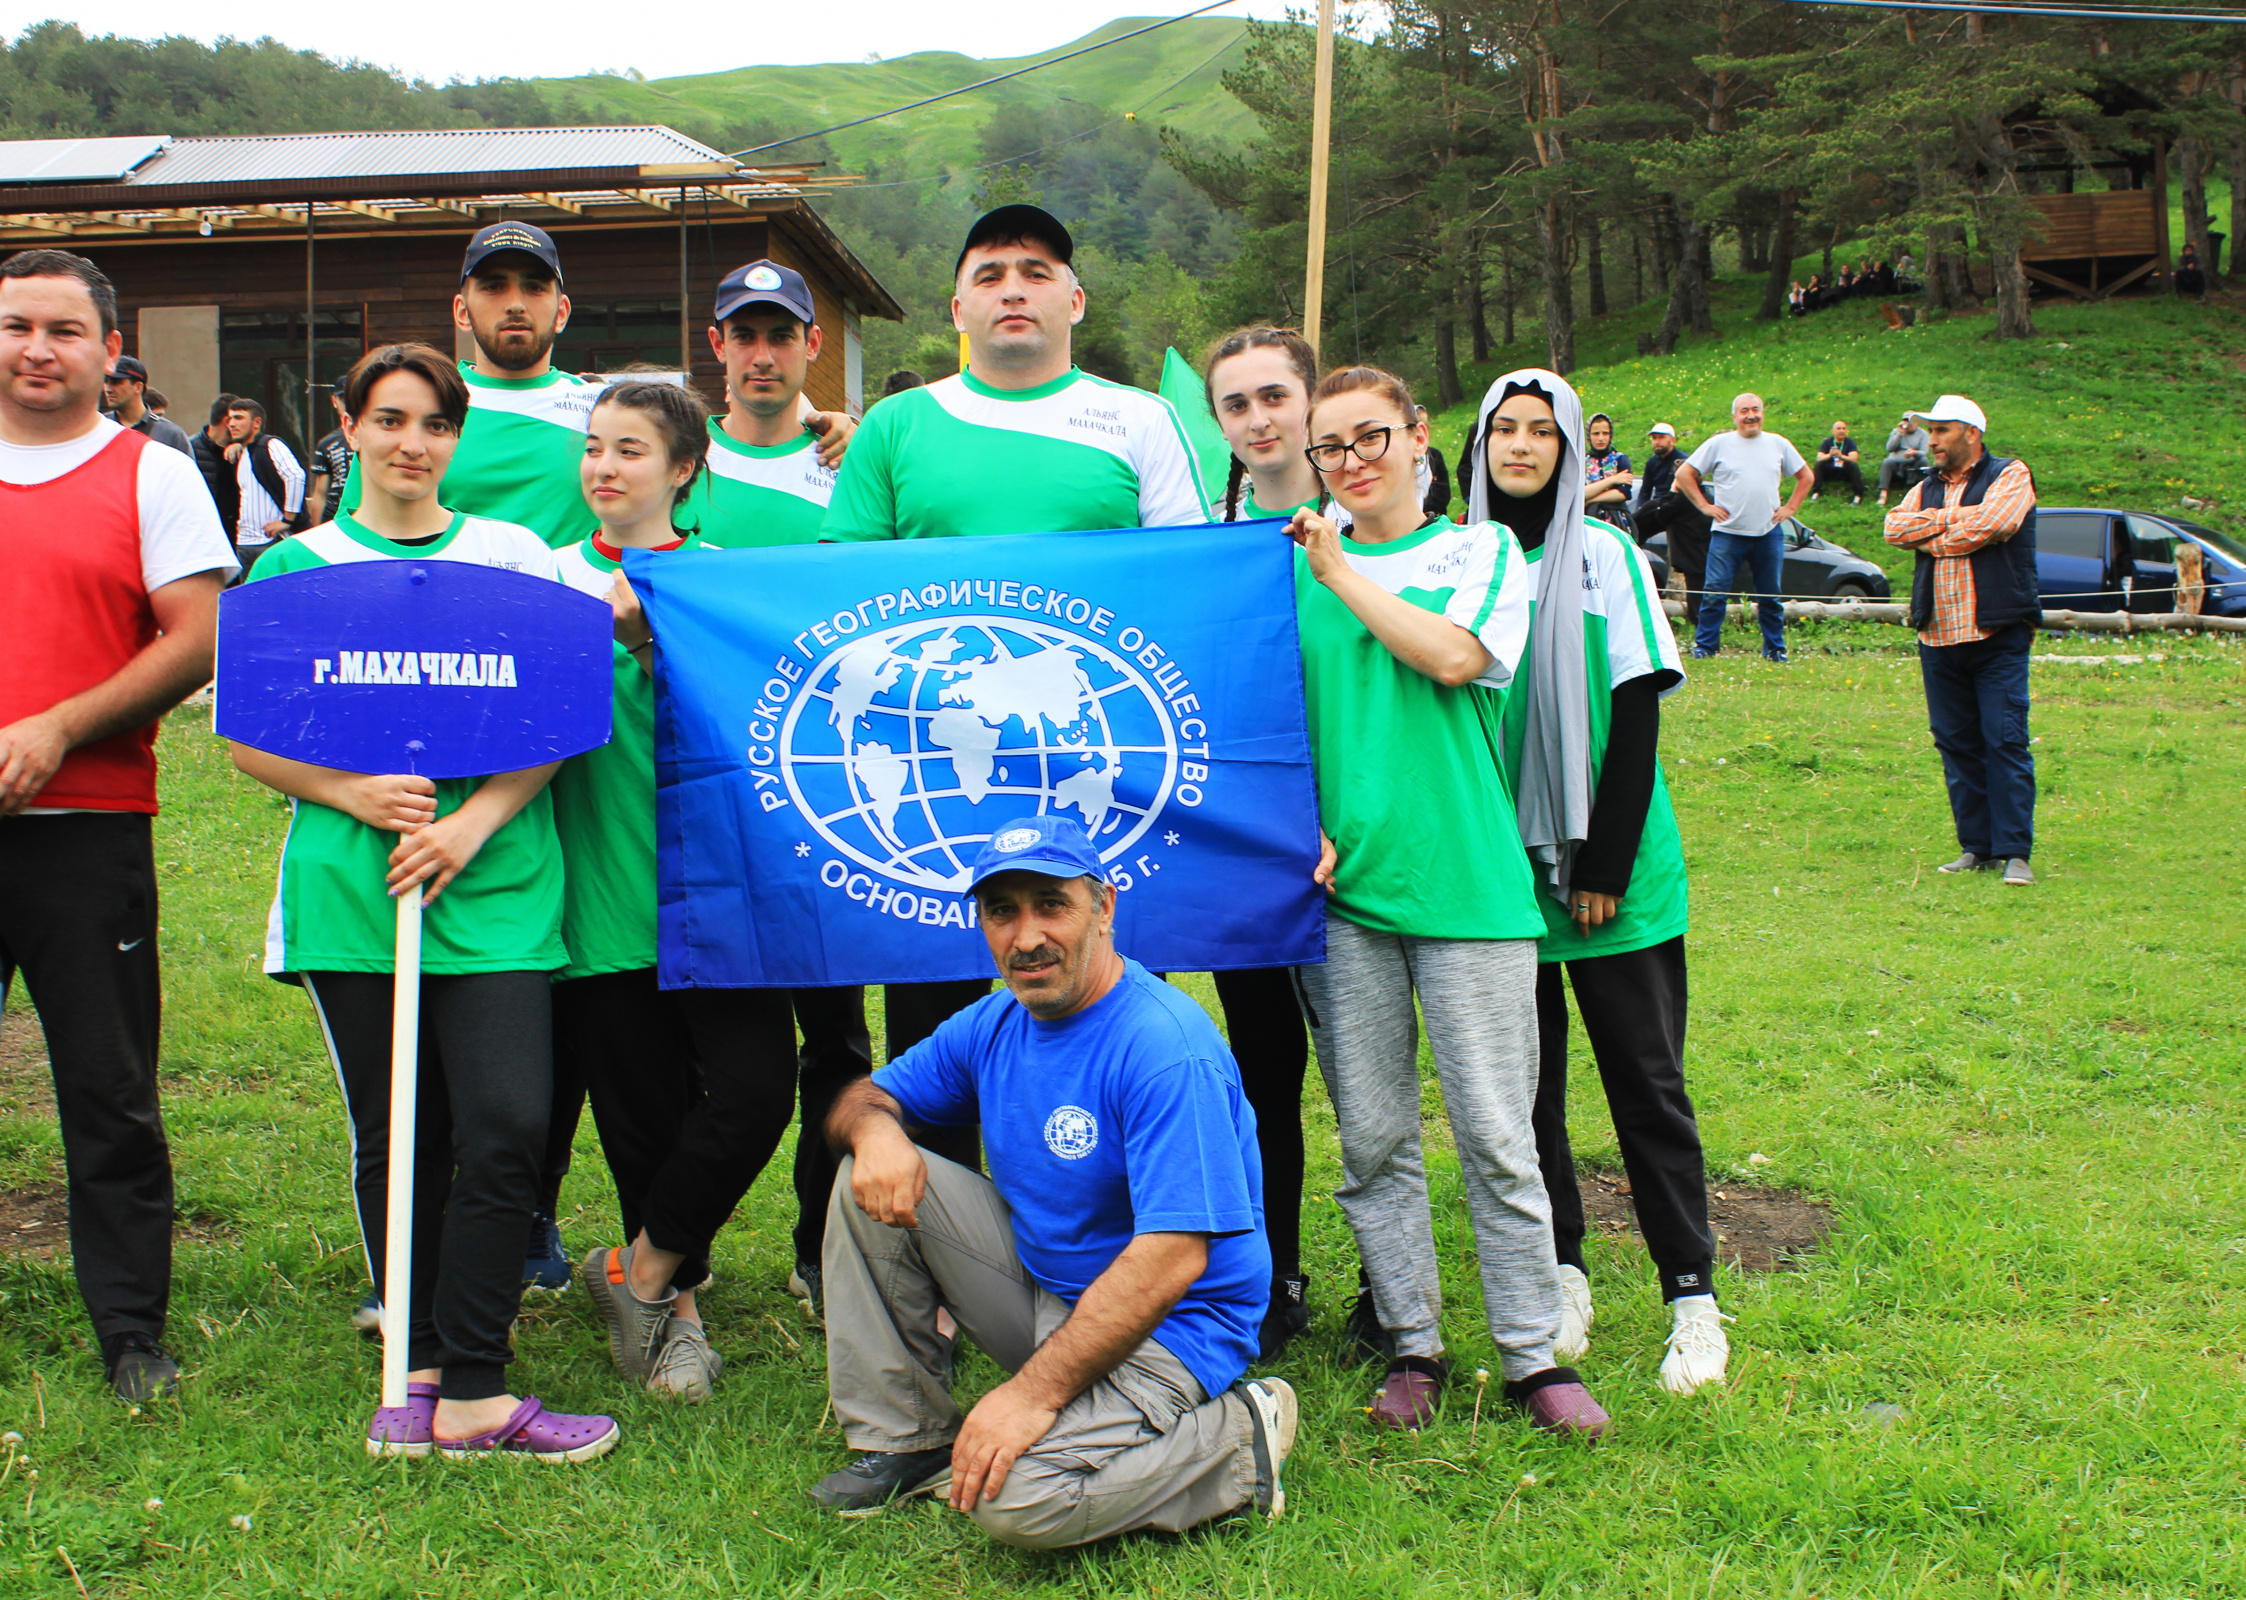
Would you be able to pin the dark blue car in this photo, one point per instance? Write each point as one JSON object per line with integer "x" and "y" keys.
{"x": 2089, "y": 559}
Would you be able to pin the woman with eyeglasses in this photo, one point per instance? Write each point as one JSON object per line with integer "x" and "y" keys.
{"x": 1411, "y": 626}
{"x": 1259, "y": 381}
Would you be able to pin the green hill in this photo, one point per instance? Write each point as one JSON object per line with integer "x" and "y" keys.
{"x": 1167, "y": 77}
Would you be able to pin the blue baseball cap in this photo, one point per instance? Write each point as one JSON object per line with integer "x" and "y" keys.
{"x": 764, "y": 283}
{"x": 1049, "y": 844}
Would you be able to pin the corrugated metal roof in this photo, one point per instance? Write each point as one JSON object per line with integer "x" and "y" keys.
{"x": 316, "y": 157}
{"x": 75, "y": 160}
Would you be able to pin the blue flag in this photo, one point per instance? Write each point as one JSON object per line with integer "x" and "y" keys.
{"x": 839, "y": 728}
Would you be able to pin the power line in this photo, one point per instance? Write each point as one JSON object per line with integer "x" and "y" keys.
{"x": 948, "y": 94}
{"x": 2101, "y": 13}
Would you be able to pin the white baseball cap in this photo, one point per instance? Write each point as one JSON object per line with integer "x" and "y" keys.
{"x": 1661, "y": 427}
{"x": 1953, "y": 408}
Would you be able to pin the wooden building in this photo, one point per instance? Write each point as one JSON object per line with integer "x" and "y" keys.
{"x": 266, "y": 265}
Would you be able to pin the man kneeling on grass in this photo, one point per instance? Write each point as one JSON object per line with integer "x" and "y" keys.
{"x": 1115, "y": 1262}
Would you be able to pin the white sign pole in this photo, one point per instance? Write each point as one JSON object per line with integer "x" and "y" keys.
{"x": 405, "y": 1082}
{"x": 1321, "y": 156}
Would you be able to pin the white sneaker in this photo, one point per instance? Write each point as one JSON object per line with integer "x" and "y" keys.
{"x": 1698, "y": 1350}
{"x": 1575, "y": 1315}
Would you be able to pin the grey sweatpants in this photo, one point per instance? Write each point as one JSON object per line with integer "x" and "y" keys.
{"x": 1479, "y": 997}
{"x": 1144, "y": 1447}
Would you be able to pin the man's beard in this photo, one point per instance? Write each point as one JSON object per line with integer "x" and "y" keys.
{"x": 525, "y": 347}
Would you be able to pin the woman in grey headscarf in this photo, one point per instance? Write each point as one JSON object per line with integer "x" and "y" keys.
{"x": 1580, "y": 737}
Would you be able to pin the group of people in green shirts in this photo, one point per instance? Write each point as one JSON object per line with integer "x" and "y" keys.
{"x": 1483, "y": 702}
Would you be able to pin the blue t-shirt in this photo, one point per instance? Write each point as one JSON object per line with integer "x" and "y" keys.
{"x": 1126, "y": 1118}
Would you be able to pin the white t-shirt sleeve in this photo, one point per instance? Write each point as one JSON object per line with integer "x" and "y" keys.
{"x": 1789, "y": 459}
{"x": 1638, "y": 637}
{"x": 180, "y": 533}
{"x": 1170, "y": 489}
{"x": 1493, "y": 599}
{"x": 1703, "y": 460}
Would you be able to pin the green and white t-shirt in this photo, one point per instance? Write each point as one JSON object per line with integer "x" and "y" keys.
{"x": 331, "y": 911}
{"x": 959, "y": 457}
{"x": 604, "y": 809}
{"x": 1625, "y": 636}
{"x": 754, "y": 495}
{"x": 520, "y": 457}
{"x": 1409, "y": 787}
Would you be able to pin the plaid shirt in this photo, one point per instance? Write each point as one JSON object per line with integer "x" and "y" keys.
{"x": 1950, "y": 534}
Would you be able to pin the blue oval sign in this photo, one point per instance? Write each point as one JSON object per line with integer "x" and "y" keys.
{"x": 449, "y": 669}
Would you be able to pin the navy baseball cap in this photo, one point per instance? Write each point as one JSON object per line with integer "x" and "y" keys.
{"x": 502, "y": 236}
{"x": 764, "y": 283}
{"x": 1018, "y": 222}
{"x": 1051, "y": 845}
{"x": 128, "y": 367}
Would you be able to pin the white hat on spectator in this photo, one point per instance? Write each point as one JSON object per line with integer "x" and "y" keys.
{"x": 1953, "y": 408}
{"x": 1661, "y": 428}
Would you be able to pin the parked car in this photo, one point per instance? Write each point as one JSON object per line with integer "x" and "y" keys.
{"x": 2098, "y": 559}
{"x": 1815, "y": 569}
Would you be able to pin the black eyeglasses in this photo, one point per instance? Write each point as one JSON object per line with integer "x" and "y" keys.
{"x": 1370, "y": 445}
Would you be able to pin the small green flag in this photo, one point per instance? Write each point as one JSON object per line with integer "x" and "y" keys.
{"x": 1184, "y": 389}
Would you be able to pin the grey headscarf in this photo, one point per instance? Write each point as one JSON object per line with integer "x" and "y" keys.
{"x": 1553, "y": 788}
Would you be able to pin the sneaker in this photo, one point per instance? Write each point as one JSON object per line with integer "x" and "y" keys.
{"x": 1408, "y": 1395}
{"x": 1288, "y": 1316}
{"x": 366, "y": 1316}
{"x": 686, "y": 1367}
{"x": 1776, "y": 658}
{"x": 879, "y": 1476}
{"x": 1968, "y": 862}
{"x": 1272, "y": 1404}
{"x": 1856, "y": 500}
{"x": 1556, "y": 1401}
{"x": 1698, "y": 1350}
{"x": 140, "y": 1369}
{"x": 1575, "y": 1314}
{"x": 635, "y": 1326}
{"x": 1368, "y": 1340}
{"x": 546, "y": 1262}
{"x": 1699, "y": 654}
{"x": 806, "y": 1285}
{"x": 2016, "y": 873}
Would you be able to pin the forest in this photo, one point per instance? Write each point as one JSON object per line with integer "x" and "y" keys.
{"x": 1498, "y": 165}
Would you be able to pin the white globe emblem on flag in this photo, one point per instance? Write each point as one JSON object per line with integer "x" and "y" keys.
{"x": 1072, "y": 1133}
{"x": 906, "y": 748}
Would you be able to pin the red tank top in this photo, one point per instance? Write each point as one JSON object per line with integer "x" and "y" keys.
{"x": 73, "y": 549}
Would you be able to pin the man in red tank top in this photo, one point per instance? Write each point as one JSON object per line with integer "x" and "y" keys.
{"x": 120, "y": 544}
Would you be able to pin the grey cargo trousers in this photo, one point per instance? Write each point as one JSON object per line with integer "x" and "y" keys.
{"x": 1142, "y": 1448}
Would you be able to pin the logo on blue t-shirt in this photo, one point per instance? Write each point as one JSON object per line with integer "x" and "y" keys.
{"x": 1072, "y": 1133}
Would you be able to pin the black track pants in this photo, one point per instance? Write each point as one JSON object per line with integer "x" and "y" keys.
{"x": 1264, "y": 1024}
{"x": 1633, "y": 1008}
{"x": 836, "y": 1050}
{"x": 913, "y": 1011}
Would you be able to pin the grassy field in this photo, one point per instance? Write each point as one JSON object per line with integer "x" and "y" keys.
{"x": 2023, "y": 1108}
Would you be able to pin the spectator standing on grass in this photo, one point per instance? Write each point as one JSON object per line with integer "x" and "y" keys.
{"x": 115, "y": 625}
{"x": 1970, "y": 525}
{"x": 272, "y": 483}
{"x": 215, "y": 453}
{"x": 1582, "y": 723}
{"x": 126, "y": 394}
{"x": 1113, "y": 1263}
{"x": 1662, "y": 507}
{"x": 1837, "y": 462}
{"x": 1733, "y": 480}
{"x": 1906, "y": 454}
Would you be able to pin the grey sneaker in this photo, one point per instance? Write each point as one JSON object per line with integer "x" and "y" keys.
{"x": 1272, "y": 1403}
{"x": 686, "y": 1367}
{"x": 877, "y": 1477}
{"x": 808, "y": 1285}
{"x": 1968, "y": 862}
{"x": 635, "y": 1326}
{"x": 2016, "y": 873}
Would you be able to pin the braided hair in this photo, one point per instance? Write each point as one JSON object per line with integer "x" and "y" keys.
{"x": 1256, "y": 336}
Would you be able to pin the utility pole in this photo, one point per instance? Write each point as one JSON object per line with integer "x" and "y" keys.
{"x": 1321, "y": 147}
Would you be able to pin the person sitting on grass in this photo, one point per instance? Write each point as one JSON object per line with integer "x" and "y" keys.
{"x": 1409, "y": 623}
{"x": 484, "y": 854}
{"x": 1114, "y": 1262}
{"x": 1904, "y": 462}
{"x": 1837, "y": 460}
